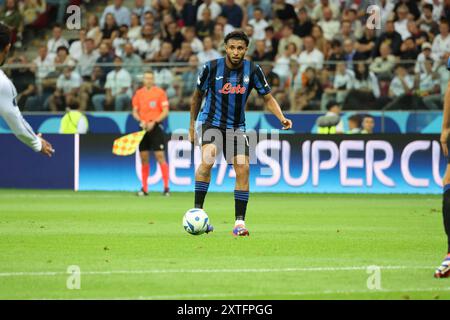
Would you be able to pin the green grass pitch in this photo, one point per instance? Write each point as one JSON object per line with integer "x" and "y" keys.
{"x": 300, "y": 247}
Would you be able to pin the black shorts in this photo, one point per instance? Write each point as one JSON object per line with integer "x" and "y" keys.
{"x": 232, "y": 142}
{"x": 154, "y": 140}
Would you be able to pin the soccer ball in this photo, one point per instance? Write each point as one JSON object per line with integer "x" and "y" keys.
{"x": 195, "y": 221}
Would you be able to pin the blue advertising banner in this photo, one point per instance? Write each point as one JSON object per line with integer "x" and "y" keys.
{"x": 22, "y": 168}
{"x": 284, "y": 163}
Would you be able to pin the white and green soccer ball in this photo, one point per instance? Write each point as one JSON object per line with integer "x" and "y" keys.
{"x": 195, "y": 221}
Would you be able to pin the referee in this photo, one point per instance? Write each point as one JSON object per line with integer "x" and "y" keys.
{"x": 150, "y": 108}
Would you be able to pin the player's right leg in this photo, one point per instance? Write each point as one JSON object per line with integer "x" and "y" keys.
{"x": 443, "y": 271}
{"x": 203, "y": 174}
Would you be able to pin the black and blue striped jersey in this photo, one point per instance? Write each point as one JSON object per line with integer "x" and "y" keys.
{"x": 227, "y": 91}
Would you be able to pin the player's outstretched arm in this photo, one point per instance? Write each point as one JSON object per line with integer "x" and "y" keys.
{"x": 22, "y": 129}
{"x": 196, "y": 102}
{"x": 446, "y": 121}
{"x": 274, "y": 107}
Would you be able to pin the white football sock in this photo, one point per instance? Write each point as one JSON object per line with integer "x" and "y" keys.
{"x": 239, "y": 222}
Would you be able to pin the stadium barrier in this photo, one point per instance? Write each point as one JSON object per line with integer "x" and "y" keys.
{"x": 293, "y": 163}
{"x": 305, "y": 122}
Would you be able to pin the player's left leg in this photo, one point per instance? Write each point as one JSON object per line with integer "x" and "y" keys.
{"x": 161, "y": 159}
{"x": 241, "y": 193}
{"x": 443, "y": 271}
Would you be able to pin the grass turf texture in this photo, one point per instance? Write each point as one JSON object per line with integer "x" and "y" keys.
{"x": 300, "y": 247}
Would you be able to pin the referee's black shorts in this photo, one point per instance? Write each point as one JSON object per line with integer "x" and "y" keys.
{"x": 154, "y": 140}
{"x": 232, "y": 142}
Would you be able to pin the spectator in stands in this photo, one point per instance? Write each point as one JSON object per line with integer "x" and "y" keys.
{"x": 426, "y": 22}
{"x": 23, "y": 79}
{"x": 409, "y": 52}
{"x": 418, "y": 35}
{"x": 336, "y": 54}
{"x": 109, "y": 27}
{"x": 351, "y": 54}
{"x": 428, "y": 86}
{"x": 135, "y": 30}
{"x": 185, "y": 13}
{"x": 205, "y": 26}
{"x": 288, "y": 36}
{"x": 106, "y": 57}
{"x": 184, "y": 53}
{"x": 87, "y": 60}
{"x": 310, "y": 56}
{"x": 208, "y": 53}
{"x": 77, "y": 47}
{"x": 57, "y": 40}
{"x": 329, "y": 25}
{"x": 271, "y": 41}
{"x": 365, "y": 89}
{"x": 255, "y": 101}
{"x": 413, "y": 9}
{"x": 118, "y": 89}
{"x": 140, "y": 8}
{"x": 164, "y": 79}
{"x": 121, "y": 14}
{"x": 354, "y": 124}
{"x": 342, "y": 84}
{"x": 67, "y": 88}
{"x": 366, "y": 43}
{"x": 43, "y": 65}
{"x": 424, "y": 55}
{"x": 284, "y": 12}
{"x": 165, "y": 54}
{"x": 441, "y": 43}
{"x": 390, "y": 36}
{"x": 233, "y": 12}
{"x": 62, "y": 59}
{"x": 386, "y": 10}
{"x": 383, "y": 65}
{"x": 308, "y": 98}
{"x": 346, "y": 32}
{"x": 260, "y": 53}
{"x": 212, "y": 5}
{"x": 292, "y": 86}
{"x": 368, "y": 124}
{"x": 189, "y": 36}
{"x": 186, "y": 87}
{"x": 259, "y": 24}
{"x": 148, "y": 45}
{"x": 321, "y": 42}
{"x": 281, "y": 66}
{"x": 227, "y": 28}
{"x": 149, "y": 18}
{"x": 174, "y": 35}
{"x": 351, "y": 15}
{"x": 304, "y": 26}
{"x": 119, "y": 39}
{"x": 10, "y": 15}
{"x": 401, "y": 90}
{"x": 401, "y": 25}
{"x": 264, "y": 5}
{"x": 31, "y": 9}
{"x": 318, "y": 12}
{"x": 132, "y": 62}
{"x": 93, "y": 29}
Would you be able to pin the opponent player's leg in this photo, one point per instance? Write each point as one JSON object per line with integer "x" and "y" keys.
{"x": 161, "y": 159}
{"x": 241, "y": 193}
{"x": 444, "y": 270}
{"x": 203, "y": 174}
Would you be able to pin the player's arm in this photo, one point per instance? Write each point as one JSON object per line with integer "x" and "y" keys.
{"x": 197, "y": 97}
{"x": 273, "y": 106}
{"x": 446, "y": 121}
{"x": 20, "y": 127}
{"x": 263, "y": 88}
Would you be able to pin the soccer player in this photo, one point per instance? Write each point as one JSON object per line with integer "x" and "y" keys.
{"x": 8, "y": 104}
{"x": 444, "y": 270}
{"x": 227, "y": 83}
{"x": 150, "y": 108}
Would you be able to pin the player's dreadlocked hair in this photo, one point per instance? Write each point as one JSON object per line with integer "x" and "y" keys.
{"x": 238, "y": 35}
{"x": 5, "y": 36}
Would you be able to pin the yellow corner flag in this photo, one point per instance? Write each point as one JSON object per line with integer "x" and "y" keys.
{"x": 126, "y": 145}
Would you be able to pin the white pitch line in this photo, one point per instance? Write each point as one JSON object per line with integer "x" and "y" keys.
{"x": 162, "y": 271}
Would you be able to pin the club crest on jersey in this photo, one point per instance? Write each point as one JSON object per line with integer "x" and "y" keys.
{"x": 229, "y": 89}
{"x": 246, "y": 79}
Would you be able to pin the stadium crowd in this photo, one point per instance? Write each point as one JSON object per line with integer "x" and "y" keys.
{"x": 312, "y": 51}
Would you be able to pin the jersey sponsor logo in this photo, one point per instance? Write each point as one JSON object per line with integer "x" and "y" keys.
{"x": 229, "y": 89}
